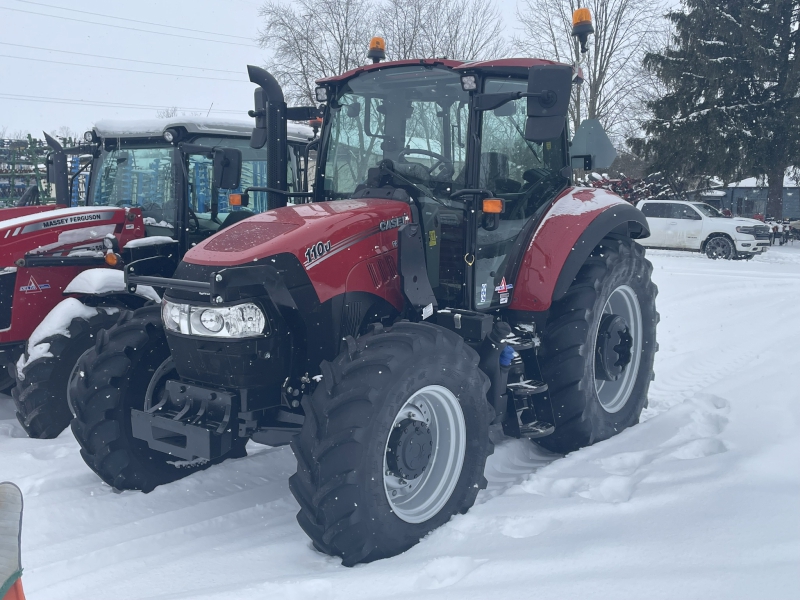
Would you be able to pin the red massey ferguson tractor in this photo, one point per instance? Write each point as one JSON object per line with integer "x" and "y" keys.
{"x": 445, "y": 280}
{"x": 152, "y": 192}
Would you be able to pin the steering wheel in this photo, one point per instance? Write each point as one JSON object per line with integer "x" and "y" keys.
{"x": 448, "y": 170}
{"x": 193, "y": 216}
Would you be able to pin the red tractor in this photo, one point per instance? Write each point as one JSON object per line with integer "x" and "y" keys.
{"x": 444, "y": 280}
{"x": 152, "y": 193}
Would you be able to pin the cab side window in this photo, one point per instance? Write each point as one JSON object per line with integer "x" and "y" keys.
{"x": 656, "y": 210}
{"x": 681, "y": 211}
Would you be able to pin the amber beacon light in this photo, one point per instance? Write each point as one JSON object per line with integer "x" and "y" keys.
{"x": 582, "y": 27}
{"x": 377, "y": 49}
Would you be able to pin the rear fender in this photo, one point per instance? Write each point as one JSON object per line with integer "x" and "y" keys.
{"x": 564, "y": 238}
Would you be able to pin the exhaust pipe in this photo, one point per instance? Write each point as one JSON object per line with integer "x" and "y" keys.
{"x": 57, "y": 170}
{"x": 270, "y": 130}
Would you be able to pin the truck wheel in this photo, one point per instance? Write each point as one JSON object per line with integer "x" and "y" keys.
{"x": 598, "y": 347}
{"x": 110, "y": 380}
{"x": 394, "y": 442}
{"x": 720, "y": 247}
{"x": 40, "y": 393}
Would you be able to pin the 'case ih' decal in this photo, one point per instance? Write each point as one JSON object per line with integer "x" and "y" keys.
{"x": 33, "y": 287}
{"x": 393, "y": 223}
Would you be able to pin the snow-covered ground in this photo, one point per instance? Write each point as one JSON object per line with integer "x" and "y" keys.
{"x": 701, "y": 500}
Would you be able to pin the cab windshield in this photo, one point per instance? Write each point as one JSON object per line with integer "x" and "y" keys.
{"x": 141, "y": 176}
{"x": 415, "y": 118}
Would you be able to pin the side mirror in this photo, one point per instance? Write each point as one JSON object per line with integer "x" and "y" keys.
{"x": 227, "y": 168}
{"x": 549, "y": 88}
{"x": 592, "y": 146}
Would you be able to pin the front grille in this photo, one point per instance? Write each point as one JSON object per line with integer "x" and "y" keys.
{"x": 762, "y": 236}
{"x": 761, "y": 230}
{"x": 8, "y": 281}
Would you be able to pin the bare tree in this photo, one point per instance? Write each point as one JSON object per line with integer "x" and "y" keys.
{"x": 172, "y": 111}
{"x": 310, "y": 39}
{"x": 612, "y": 67}
{"x": 3, "y": 130}
{"x": 167, "y": 113}
{"x": 458, "y": 29}
{"x": 314, "y": 38}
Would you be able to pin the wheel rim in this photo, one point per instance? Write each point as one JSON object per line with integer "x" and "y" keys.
{"x": 613, "y": 395}
{"x": 718, "y": 247}
{"x": 436, "y": 413}
{"x": 69, "y": 381}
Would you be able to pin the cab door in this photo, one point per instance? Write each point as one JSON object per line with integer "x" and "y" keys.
{"x": 525, "y": 175}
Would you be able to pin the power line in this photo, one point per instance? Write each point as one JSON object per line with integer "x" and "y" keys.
{"x": 59, "y": 62}
{"x": 86, "y": 12}
{"x": 146, "y": 62}
{"x": 102, "y": 104}
{"x": 175, "y": 35}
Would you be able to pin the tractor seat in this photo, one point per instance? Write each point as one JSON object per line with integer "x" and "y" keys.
{"x": 234, "y": 217}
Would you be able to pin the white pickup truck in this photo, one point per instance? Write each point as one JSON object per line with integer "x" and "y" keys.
{"x": 680, "y": 225}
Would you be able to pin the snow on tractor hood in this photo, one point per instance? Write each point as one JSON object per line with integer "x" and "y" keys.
{"x": 66, "y": 230}
{"x": 334, "y": 234}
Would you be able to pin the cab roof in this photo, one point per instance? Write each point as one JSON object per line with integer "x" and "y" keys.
{"x": 501, "y": 66}
{"x": 194, "y": 125}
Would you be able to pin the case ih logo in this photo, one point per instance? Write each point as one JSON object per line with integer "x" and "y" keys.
{"x": 393, "y": 223}
{"x": 33, "y": 287}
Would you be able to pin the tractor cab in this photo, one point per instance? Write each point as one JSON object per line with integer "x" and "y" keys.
{"x": 167, "y": 170}
{"x": 479, "y": 149}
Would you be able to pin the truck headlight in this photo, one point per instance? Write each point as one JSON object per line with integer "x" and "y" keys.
{"x": 238, "y": 321}
{"x": 747, "y": 229}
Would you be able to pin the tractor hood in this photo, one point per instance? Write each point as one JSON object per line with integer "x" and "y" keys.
{"x": 322, "y": 235}
{"x": 66, "y": 231}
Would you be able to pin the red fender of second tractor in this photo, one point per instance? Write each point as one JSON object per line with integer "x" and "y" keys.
{"x": 344, "y": 246}
{"x": 555, "y": 236}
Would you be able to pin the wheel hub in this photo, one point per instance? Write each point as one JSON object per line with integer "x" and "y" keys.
{"x": 409, "y": 449}
{"x": 613, "y": 350}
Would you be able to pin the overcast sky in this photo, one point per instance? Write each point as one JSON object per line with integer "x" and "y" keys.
{"x": 43, "y": 42}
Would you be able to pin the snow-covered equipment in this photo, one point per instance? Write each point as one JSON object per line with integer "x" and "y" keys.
{"x": 152, "y": 194}
{"x": 10, "y": 542}
{"x": 445, "y": 278}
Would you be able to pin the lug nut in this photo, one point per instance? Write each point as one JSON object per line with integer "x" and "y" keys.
{"x": 218, "y": 277}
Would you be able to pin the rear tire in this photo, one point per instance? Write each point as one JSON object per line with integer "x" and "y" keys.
{"x": 346, "y": 469}
{"x": 110, "y": 380}
{"x": 40, "y": 393}
{"x": 616, "y": 276}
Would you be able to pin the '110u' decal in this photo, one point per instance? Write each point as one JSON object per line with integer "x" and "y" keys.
{"x": 316, "y": 251}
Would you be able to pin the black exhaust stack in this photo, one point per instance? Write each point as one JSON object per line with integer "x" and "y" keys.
{"x": 57, "y": 170}
{"x": 270, "y": 130}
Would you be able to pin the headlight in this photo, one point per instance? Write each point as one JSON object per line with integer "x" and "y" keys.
{"x": 748, "y": 229}
{"x": 239, "y": 321}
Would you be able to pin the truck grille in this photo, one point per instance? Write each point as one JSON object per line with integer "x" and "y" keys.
{"x": 7, "y": 282}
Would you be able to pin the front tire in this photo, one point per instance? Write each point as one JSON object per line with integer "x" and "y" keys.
{"x": 720, "y": 246}
{"x": 40, "y": 393}
{"x": 394, "y": 442}
{"x": 598, "y": 347}
{"x": 113, "y": 378}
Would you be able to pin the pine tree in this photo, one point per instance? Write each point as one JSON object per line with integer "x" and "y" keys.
{"x": 733, "y": 105}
